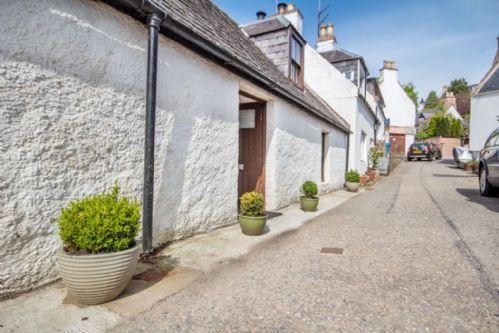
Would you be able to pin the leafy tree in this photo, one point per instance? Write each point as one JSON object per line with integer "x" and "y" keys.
{"x": 459, "y": 86}
{"x": 410, "y": 90}
{"x": 433, "y": 102}
{"x": 441, "y": 125}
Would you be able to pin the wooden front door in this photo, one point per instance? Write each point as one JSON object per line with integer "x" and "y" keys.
{"x": 252, "y": 148}
{"x": 397, "y": 144}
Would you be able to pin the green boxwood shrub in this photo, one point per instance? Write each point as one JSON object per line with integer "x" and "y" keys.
{"x": 252, "y": 204}
{"x": 100, "y": 223}
{"x": 352, "y": 176}
{"x": 309, "y": 189}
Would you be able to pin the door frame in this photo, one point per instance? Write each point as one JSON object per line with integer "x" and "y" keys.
{"x": 263, "y": 107}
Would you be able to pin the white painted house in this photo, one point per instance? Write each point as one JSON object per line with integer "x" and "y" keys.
{"x": 73, "y": 78}
{"x": 399, "y": 108}
{"x": 346, "y": 93}
{"x": 484, "y": 118}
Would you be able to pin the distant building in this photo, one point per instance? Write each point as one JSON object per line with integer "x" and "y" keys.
{"x": 399, "y": 108}
{"x": 484, "y": 116}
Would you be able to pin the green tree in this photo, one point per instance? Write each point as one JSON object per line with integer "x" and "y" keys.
{"x": 441, "y": 125}
{"x": 410, "y": 90}
{"x": 433, "y": 102}
{"x": 459, "y": 86}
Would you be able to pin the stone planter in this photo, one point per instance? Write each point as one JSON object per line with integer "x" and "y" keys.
{"x": 352, "y": 187}
{"x": 97, "y": 278}
{"x": 252, "y": 225}
{"x": 309, "y": 204}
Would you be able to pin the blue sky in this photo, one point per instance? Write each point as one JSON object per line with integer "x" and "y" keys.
{"x": 433, "y": 41}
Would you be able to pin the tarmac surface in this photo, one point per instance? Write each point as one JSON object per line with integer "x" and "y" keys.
{"x": 420, "y": 253}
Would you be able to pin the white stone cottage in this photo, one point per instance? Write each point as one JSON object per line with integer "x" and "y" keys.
{"x": 399, "y": 108}
{"x": 72, "y": 101}
{"x": 340, "y": 78}
{"x": 280, "y": 38}
{"x": 484, "y": 117}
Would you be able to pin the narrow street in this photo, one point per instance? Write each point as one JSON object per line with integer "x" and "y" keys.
{"x": 420, "y": 253}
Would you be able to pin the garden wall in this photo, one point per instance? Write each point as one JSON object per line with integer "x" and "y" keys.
{"x": 446, "y": 144}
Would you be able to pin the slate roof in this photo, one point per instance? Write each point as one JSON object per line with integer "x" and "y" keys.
{"x": 265, "y": 26}
{"x": 492, "y": 83}
{"x": 205, "y": 20}
{"x": 339, "y": 54}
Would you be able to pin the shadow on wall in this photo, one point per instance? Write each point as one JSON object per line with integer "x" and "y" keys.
{"x": 473, "y": 195}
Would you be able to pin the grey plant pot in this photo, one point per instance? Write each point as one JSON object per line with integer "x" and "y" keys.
{"x": 97, "y": 278}
{"x": 352, "y": 187}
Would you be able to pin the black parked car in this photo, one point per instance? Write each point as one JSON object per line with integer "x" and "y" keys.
{"x": 488, "y": 169}
{"x": 422, "y": 150}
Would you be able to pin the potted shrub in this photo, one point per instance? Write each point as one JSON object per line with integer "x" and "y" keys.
{"x": 373, "y": 169}
{"x": 252, "y": 217}
{"x": 99, "y": 252}
{"x": 309, "y": 199}
{"x": 352, "y": 179}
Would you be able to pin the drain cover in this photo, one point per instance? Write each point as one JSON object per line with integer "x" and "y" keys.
{"x": 332, "y": 250}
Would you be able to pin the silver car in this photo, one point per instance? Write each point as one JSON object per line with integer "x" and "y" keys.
{"x": 489, "y": 166}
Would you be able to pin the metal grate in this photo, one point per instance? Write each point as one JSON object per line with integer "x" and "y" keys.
{"x": 332, "y": 250}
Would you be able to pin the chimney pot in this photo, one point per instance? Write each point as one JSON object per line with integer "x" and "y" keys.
{"x": 389, "y": 64}
{"x": 281, "y": 8}
{"x": 291, "y": 6}
{"x": 323, "y": 30}
{"x": 330, "y": 27}
{"x": 261, "y": 15}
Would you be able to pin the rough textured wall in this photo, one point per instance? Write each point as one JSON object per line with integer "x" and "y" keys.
{"x": 71, "y": 113}
{"x": 484, "y": 119}
{"x": 446, "y": 144}
{"x": 294, "y": 154}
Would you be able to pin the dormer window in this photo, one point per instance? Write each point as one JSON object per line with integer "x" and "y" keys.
{"x": 349, "y": 75}
{"x": 296, "y": 61}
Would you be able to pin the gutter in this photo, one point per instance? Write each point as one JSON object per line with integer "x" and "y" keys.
{"x": 139, "y": 9}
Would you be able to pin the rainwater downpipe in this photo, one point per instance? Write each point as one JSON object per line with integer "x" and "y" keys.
{"x": 153, "y": 24}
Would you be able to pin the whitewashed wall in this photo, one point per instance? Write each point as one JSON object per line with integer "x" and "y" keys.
{"x": 72, "y": 80}
{"x": 342, "y": 95}
{"x": 484, "y": 119}
{"x": 294, "y": 154}
{"x": 399, "y": 107}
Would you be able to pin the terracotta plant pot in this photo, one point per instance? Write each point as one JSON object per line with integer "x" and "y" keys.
{"x": 309, "y": 204}
{"x": 97, "y": 278}
{"x": 252, "y": 225}
{"x": 352, "y": 187}
{"x": 363, "y": 180}
{"x": 371, "y": 175}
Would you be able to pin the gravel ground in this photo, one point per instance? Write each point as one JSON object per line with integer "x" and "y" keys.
{"x": 420, "y": 254}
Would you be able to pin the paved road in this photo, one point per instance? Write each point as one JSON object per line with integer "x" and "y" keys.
{"x": 420, "y": 255}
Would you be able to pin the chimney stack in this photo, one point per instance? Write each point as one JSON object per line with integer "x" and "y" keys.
{"x": 292, "y": 14}
{"x": 281, "y": 8}
{"x": 261, "y": 15}
{"x": 327, "y": 40}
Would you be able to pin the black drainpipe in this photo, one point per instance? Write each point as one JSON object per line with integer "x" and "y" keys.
{"x": 153, "y": 24}
{"x": 348, "y": 152}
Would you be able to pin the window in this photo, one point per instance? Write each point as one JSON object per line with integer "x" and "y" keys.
{"x": 324, "y": 149}
{"x": 296, "y": 61}
{"x": 349, "y": 75}
{"x": 363, "y": 147}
